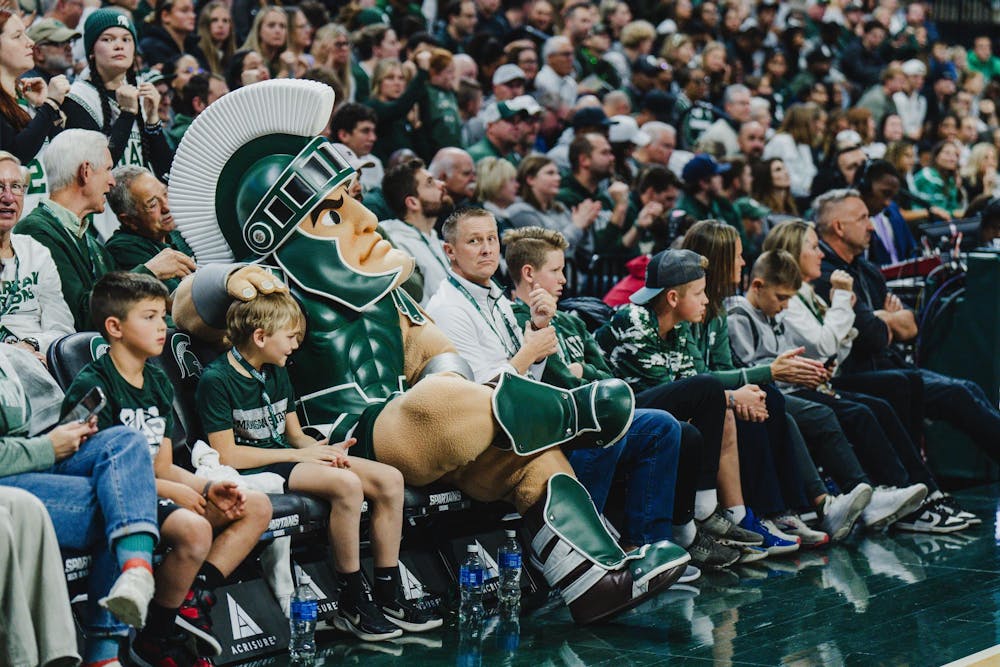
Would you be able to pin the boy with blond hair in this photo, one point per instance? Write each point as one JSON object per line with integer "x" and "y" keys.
{"x": 210, "y": 526}
{"x": 247, "y": 407}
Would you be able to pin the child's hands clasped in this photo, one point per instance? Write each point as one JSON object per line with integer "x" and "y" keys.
{"x": 228, "y": 499}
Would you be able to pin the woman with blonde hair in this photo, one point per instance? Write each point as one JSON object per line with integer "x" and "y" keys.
{"x": 216, "y": 37}
{"x": 392, "y": 99}
{"x": 496, "y": 186}
{"x": 269, "y": 37}
{"x": 332, "y": 50}
{"x": 772, "y": 186}
{"x": 980, "y": 173}
{"x": 794, "y": 142}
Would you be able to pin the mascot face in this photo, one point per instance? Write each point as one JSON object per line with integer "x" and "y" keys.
{"x": 342, "y": 218}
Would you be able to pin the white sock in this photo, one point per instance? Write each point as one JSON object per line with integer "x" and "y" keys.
{"x": 684, "y": 535}
{"x": 737, "y": 513}
{"x": 705, "y": 503}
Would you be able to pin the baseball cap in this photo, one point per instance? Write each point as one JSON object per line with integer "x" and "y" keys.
{"x": 352, "y": 157}
{"x": 507, "y": 73}
{"x": 820, "y": 54}
{"x": 626, "y": 129}
{"x": 669, "y": 268}
{"x": 500, "y": 111}
{"x": 649, "y": 65}
{"x": 51, "y": 31}
{"x": 702, "y": 166}
{"x": 525, "y": 103}
{"x": 748, "y": 207}
{"x": 591, "y": 117}
{"x": 750, "y": 25}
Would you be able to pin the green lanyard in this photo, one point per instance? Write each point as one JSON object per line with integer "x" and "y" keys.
{"x": 427, "y": 243}
{"x": 262, "y": 379}
{"x": 511, "y": 331}
{"x": 811, "y": 309}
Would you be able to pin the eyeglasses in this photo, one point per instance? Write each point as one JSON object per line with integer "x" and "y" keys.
{"x": 17, "y": 189}
{"x": 341, "y": 45}
{"x": 564, "y": 54}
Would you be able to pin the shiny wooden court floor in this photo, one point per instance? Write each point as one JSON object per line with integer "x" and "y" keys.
{"x": 891, "y": 599}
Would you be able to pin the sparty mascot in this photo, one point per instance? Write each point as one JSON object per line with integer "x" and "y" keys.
{"x": 253, "y": 183}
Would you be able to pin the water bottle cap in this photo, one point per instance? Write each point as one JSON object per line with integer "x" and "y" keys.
{"x": 511, "y": 533}
{"x": 472, "y": 549}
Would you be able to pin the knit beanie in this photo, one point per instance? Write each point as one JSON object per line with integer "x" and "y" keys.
{"x": 102, "y": 19}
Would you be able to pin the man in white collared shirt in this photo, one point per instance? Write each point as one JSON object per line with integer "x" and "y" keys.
{"x": 475, "y": 315}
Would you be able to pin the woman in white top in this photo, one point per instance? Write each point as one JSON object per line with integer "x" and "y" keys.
{"x": 803, "y": 124}
{"x": 32, "y": 311}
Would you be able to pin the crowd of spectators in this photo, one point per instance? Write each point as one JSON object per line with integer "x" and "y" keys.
{"x": 681, "y": 145}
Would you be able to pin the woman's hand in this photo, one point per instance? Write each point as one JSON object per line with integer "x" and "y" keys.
{"x": 150, "y": 98}
{"x": 58, "y": 88}
{"x": 66, "y": 439}
{"x": 843, "y": 280}
{"x": 34, "y": 90}
{"x": 128, "y": 98}
{"x": 585, "y": 213}
{"x": 750, "y": 403}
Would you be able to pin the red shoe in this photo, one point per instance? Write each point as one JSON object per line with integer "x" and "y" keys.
{"x": 195, "y": 618}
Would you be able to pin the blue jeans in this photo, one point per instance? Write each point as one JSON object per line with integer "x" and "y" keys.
{"x": 649, "y": 453}
{"x": 103, "y": 492}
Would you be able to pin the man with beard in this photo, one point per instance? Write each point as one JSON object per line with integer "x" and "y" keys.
{"x": 53, "y": 49}
{"x": 418, "y": 199}
{"x": 454, "y": 167}
{"x": 751, "y": 140}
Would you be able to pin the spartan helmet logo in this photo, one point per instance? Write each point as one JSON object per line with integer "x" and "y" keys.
{"x": 122, "y": 21}
{"x": 98, "y": 347}
{"x": 186, "y": 360}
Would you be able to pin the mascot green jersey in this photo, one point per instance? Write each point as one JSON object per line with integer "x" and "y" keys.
{"x": 252, "y": 183}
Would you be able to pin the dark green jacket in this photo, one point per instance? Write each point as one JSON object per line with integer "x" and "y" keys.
{"x": 576, "y": 345}
{"x": 361, "y": 82}
{"x": 609, "y": 239}
{"x": 441, "y": 122}
{"x": 128, "y": 249}
{"x": 719, "y": 208}
{"x": 392, "y": 129}
{"x": 80, "y": 262}
{"x": 176, "y": 132}
{"x": 485, "y": 148}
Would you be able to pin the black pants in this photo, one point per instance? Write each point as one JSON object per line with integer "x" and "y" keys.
{"x": 826, "y": 441}
{"x": 881, "y": 441}
{"x": 688, "y": 471}
{"x": 903, "y": 389}
{"x": 701, "y": 401}
{"x": 769, "y": 470}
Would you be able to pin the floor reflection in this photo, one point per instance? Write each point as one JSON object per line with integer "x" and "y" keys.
{"x": 898, "y": 598}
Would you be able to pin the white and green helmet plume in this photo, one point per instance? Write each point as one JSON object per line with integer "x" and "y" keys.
{"x": 252, "y": 166}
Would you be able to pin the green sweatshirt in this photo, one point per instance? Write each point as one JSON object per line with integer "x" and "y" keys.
{"x": 81, "y": 260}
{"x": 392, "y": 129}
{"x": 442, "y": 124}
{"x": 632, "y": 344}
{"x": 576, "y": 345}
{"x": 128, "y": 249}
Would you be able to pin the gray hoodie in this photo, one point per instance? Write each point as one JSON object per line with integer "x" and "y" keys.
{"x": 754, "y": 338}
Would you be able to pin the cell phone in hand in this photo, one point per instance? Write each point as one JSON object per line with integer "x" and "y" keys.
{"x": 830, "y": 363}
{"x": 88, "y": 407}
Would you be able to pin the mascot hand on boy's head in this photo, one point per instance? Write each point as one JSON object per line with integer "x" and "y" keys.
{"x": 253, "y": 181}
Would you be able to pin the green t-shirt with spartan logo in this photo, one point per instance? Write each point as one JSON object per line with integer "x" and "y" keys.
{"x": 227, "y": 399}
{"x": 148, "y": 410}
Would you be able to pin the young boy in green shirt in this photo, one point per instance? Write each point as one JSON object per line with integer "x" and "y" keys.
{"x": 130, "y": 309}
{"x": 247, "y": 407}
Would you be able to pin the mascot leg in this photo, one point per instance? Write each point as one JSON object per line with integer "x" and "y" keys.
{"x": 572, "y": 547}
{"x": 535, "y": 416}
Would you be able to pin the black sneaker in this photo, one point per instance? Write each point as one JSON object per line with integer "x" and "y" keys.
{"x": 931, "y": 517}
{"x": 708, "y": 553}
{"x": 147, "y": 651}
{"x": 949, "y": 503}
{"x": 409, "y": 616}
{"x": 365, "y": 621}
{"x": 195, "y": 618}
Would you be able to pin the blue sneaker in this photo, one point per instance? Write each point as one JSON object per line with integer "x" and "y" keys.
{"x": 775, "y": 545}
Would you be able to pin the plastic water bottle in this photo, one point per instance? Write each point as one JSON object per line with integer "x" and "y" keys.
{"x": 510, "y": 572}
{"x": 470, "y": 582}
{"x": 302, "y": 622}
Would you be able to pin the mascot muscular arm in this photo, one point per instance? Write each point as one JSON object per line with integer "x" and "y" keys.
{"x": 252, "y": 183}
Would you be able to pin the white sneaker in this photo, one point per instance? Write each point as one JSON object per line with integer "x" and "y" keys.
{"x": 840, "y": 512}
{"x": 792, "y": 525}
{"x": 890, "y": 503}
{"x": 691, "y": 573}
{"x": 129, "y": 597}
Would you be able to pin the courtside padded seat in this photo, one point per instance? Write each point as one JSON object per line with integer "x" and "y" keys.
{"x": 183, "y": 360}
